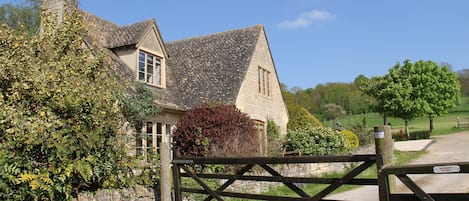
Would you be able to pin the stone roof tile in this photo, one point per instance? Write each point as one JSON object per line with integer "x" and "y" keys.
{"x": 128, "y": 35}
{"x": 212, "y": 68}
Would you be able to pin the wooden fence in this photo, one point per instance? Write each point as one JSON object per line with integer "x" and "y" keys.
{"x": 265, "y": 163}
{"x": 187, "y": 168}
{"x": 402, "y": 172}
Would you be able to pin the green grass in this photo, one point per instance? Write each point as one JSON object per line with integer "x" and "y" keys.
{"x": 444, "y": 124}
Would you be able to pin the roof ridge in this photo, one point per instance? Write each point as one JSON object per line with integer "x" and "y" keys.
{"x": 258, "y": 26}
{"x": 100, "y": 18}
{"x": 151, "y": 20}
{"x": 129, "y": 34}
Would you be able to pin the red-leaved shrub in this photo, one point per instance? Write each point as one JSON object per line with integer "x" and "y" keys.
{"x": 221, "y": 130}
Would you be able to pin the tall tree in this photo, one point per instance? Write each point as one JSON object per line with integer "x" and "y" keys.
{"x": 412, "y": 90}
{"x": 60, "y": 115}
{"x": 21, "y": 15}
{"x": 439, "y": 86}
{"x": 463, "y": 76}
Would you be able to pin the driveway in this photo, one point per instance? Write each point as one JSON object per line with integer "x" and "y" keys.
{"x": 447, "y": 148}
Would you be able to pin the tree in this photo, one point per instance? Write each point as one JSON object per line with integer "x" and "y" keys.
{"x": 332, "y": 111}
{"x": 215, "y": 130}
{"x": 439, "y": 86}
{"x": 22, "y": 15}
{"x": 463, "y": 76}
{"x": 59, "y": 115}
{"x": 299, "y": 117}
{"x": 414, "y": 90}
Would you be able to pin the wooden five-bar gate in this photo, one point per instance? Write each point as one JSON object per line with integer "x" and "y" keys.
{"x": 265, "y": 163}
{"x": 190, "y": 168}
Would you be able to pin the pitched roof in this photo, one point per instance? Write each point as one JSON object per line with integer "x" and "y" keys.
{"x": 199, "y": 70}
{"x": 128, "y": 35}
{"x": 98, "y": 29}
{"x": 212, "y": 68}
{"x": 110, "y": 35}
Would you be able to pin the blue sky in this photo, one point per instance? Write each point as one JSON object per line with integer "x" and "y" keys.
{"x": 317, "y": 41}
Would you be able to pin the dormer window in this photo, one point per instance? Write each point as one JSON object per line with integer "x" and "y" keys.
{"x": 149, "y": 68}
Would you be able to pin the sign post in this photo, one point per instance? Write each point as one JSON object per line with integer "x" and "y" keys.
{"x": 384, "y": 156}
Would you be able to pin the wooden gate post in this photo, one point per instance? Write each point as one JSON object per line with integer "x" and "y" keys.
{"x": 384, "y": 153}
{"x": 165, "y": 172}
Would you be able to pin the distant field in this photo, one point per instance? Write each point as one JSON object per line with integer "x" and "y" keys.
{"x": 444, "y": 124}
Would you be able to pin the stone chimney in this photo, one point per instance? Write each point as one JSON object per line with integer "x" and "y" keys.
{"x": 58, "y": 7}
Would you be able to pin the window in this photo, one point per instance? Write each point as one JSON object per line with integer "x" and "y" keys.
{"x": 149, "y": 68}
{"x": 263, "y": 81}
{"x": 153, "y": 133}
{"x": 262, "y": 136}
{"x": 159, "y": 136}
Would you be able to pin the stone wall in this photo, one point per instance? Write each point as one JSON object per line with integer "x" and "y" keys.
{"x": 258, "y": 106}
{"x": 138, "y": 193}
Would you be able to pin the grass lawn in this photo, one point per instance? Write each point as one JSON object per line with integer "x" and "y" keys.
{"x": 444, "y": 124}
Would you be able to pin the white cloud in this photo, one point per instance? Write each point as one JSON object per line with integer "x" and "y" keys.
{"x": 306, "y": 19}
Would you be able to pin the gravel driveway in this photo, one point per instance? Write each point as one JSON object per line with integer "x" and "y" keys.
{"x": 447, "y": 148}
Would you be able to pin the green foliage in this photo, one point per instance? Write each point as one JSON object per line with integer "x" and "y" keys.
{"x": 352, "y": 141}
{"x": 299, "y": 117}
{"x": 221, "y": 130}
{"x": 332, "y": 111}
{"x": 273, "y": 137}
{"x": 316, "y": 141}
{"x": 59, "y": 115}
{"x": 138, "y": 106}
{"x": 346, "y": 95}
{"x": 463, "y": 77}
{"x": 22, "y": 15}
{"x": 413, "y": 90}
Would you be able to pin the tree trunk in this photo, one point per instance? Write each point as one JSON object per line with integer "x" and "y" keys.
{"x": 431, "y": 124}
{"x": 385, "y": 119}
{"x": 406, "y": 128}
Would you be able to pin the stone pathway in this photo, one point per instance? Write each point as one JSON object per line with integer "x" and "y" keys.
{"x": 446, "y": 148}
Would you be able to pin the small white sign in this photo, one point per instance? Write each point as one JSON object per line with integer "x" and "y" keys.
{"x": 446, "y": 169}
{"x": 379, "y": 135}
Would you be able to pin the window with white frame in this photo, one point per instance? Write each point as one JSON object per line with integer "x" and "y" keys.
{"x": 151, "y": 137}
{"x": 263, "y": 81}
{"x": 149, "y": 68}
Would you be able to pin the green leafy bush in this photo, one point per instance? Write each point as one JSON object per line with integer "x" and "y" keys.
{"x": 273, "y": 137}
{"x": 299, "y": 117}
{"x": 60, "y": 115}
{"x": 316, "y": 141}
{"x": 351, "y": 139}
{"x": 221, "y": 130}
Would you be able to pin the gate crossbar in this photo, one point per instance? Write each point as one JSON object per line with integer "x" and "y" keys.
{"x": 264, "y": 162}
{"x": 402, "y": 172}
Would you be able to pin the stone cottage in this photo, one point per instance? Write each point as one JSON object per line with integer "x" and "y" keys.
{"x": 233, "y": 67}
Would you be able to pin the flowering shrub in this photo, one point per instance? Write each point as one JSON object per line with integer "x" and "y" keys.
{"x": 221, "y": 130}
{"x": 316, "y": 141}
{"x": 352, "y": 139}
